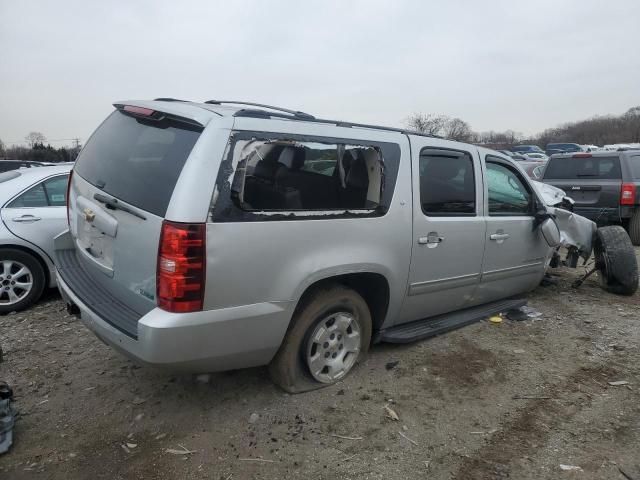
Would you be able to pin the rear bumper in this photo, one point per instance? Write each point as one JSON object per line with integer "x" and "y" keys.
{"x": 213, "y": 340}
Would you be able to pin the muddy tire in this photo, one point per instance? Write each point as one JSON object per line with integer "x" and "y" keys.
{"x": 329, "y": 333}
{"x": 22, "y": 280}
{"x": 633, "y": 227}
{"x": 616, "y": 261}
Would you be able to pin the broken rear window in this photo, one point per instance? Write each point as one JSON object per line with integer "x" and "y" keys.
{"x": 290, "y": 175}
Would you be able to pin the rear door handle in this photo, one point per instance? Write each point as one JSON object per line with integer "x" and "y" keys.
{"x": 499, "y": 237}
{"x": 26, "y": 219}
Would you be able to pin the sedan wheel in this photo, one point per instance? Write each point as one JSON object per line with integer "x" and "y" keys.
{"x": 16, "y": 282}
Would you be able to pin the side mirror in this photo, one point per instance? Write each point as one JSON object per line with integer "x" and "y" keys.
{"x": 550, "y": 232}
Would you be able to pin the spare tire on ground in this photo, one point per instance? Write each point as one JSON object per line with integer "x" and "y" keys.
{"x": 616, "y": 260}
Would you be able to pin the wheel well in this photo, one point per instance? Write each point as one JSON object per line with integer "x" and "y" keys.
{"x": 372, "y": 287}
{"x": 35, "y": 255}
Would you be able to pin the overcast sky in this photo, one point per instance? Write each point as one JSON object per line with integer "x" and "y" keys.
{"x": 523, "y": 65}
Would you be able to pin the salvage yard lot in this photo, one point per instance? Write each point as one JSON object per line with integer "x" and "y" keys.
{"x": 513, "y": 400}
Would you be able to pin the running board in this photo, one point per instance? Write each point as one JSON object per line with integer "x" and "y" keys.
{"x": 430, "y": 327}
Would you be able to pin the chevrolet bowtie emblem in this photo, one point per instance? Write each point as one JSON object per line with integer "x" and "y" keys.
{"x": 89, "y": 215}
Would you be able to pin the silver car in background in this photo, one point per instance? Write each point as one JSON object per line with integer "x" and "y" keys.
{"x": 32, "y": 212}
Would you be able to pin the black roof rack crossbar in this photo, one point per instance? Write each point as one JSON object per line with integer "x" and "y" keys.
{"x": 297, "y": 114}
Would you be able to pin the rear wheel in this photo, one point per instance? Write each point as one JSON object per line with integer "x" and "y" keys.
{"x": 633, "y": 227}
{"x": 330, "y": 332}
{"x": 616, "y": 261}
{"x": 21, "y": 280}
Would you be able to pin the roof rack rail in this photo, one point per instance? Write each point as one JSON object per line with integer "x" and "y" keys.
{"x": 297, "y": 114}
{"x": 169, "y": 99}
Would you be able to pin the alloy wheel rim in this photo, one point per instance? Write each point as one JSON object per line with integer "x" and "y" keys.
{"x": 16, "y": 282}
{"x": 333, "y": 347}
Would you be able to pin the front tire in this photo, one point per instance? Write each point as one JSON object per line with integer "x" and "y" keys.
{"x": 22, "y": 280}
{"x": 330, "y": 332}
{"x": 616, "y": 261}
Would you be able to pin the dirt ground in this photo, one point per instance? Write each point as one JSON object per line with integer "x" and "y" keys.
{"x": 513, "y": 400}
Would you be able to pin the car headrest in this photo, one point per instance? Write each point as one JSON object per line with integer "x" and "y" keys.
{"x": 357, "y": 176}
{"x": 292, "y": 157}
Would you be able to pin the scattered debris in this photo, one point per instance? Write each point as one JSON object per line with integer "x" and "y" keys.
{"x": 391, "y": 413}
{"x": 625, "y": 474}
{"x": 7, "y": 417}
{"x": 530, "y": 397}
{"x": 160, "y": 436}
{"x": 184, "y": 451}
{"x": 518, "y": 351}
{"x": 138, "y": 401}
{"x": 43, "y": 401}
{"x": 349, "y": 458}
{"x": 125, "y": 448}
{"x": 391, "y": 365}
{"x": 203, "y": 378}
{"x": 256, "y": 460}
{"x": 345, "y": 438}
{"x": 253, "y": 418}
{"x": 407, "y": 438}
{"x": 132, "y": 445}
{"x": 495, "y": 319}
{"x": 138, "y": 417}
{"x": 618, "y": 383}
{"x": 523, "y": 313}
{"x": 570, "y": 468}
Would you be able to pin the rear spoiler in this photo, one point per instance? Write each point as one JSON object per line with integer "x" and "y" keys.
{"x": 154, "y": 115}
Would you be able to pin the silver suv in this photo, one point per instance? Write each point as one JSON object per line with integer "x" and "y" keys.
{"x": 220, "y": 235}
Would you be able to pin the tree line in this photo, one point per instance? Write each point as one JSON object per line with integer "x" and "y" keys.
{"x": 39, "y": 150}
{"x": 598, "y": 130}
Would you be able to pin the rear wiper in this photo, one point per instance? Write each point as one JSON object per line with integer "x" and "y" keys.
{"x": 113, "y": 204}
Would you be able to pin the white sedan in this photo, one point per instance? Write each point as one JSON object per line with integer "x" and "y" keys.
{"x": 32, "y": 212}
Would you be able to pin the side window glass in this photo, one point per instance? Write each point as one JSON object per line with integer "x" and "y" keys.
{"x": 289, "y": 175}
{"x": 34, "y": 197}
{"x": 56, "y": 190}
{"x": 507, "y": 193}
{"x": 447, "y": 183}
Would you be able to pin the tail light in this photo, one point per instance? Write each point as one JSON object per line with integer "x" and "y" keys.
{"x": 68, "y": 199}
{"x": 582, "y": 155}
{"x": 181, "y": 267}
{"x": 628, "y": 194}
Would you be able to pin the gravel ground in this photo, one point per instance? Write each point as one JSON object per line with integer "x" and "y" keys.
{"x": 513, "y": 400}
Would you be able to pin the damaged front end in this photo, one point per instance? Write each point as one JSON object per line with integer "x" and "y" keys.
{"x": 577, "y": 233}
{"x": 615, "y": 260}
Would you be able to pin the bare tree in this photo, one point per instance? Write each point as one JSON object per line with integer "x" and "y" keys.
{"x": 35, "y": 137}
{"x": 457, "y": 129}
{"x": 2, "y": 149}
{"x": 428, "y": 123}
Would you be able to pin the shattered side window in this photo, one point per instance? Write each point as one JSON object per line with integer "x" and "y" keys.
{"x": 290, "y": 175}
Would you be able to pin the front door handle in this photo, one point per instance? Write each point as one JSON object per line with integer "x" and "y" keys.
{"x": 499, "y": 237}
{"x": 432, "y": 240}
{"x": 26, "y": 219}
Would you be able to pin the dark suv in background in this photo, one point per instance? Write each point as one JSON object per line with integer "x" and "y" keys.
{"x": 553, "y": 148}
{"x": 604, "y": 185}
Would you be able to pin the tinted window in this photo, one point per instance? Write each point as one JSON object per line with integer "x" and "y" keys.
{"x": 591, "y": 167}
{"x": 567, "y": 147}
{"x": 447, "y": 184}
{"x": 136, "y": 160}
{"x": 634, "y": 163}
{"x": 508, "y": 194}
{"x": 34, "y": 197}
{"x": 287, "y": 175}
